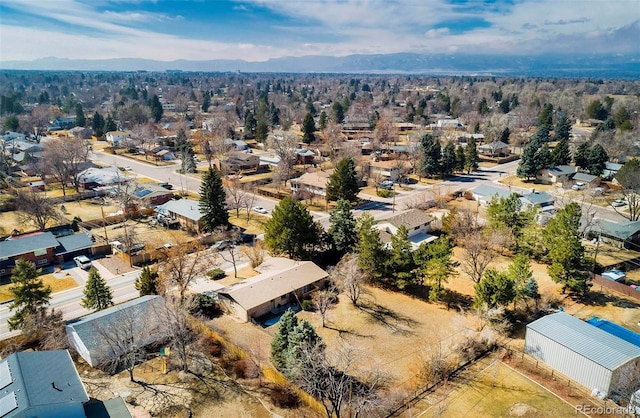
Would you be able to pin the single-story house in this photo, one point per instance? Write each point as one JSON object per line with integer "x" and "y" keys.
{"x": 185, "y": 211}
{"x": 601, "y": 361}
{"x": 485, "y": 193}
{"x": 620, "y": 234}
{"x": 80, "y": 132}
{"x": 495, "y": 149}
{"x": 104, "y": 335}
{"x": 99, "y": 177}
{"x": 540, "y": 199}
{"x": 464, "y": 139}
{"x": 272, "y": 290}
{"x": 589, "y": 180}
{"x": 417, "y": 222}
{"x": 43, "y": 384}
{"x": 114, "y": 137}
{"x": 42, "y": 249}
{"x": 385, "y": 170}
{"x": 554, "y": 175}
{"x": 448, "y": 124}
{"x": 314, "y": 182}
{"x": 165, "y": 154}
{"x": 238, "y": 145}
{"x": 305, "y": 156}
{"x": 37, "y": 186}
{"x": 61, "y": 123}
{"x": 151, "y": 195}
{"x": 610, "y": 170}
{"x": 238, "y": 160}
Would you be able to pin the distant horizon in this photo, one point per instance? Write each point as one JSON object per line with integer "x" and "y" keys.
{"x": 262, "y": 30}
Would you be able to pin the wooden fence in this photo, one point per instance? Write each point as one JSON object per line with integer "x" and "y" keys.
{"x": 618, "y": 287}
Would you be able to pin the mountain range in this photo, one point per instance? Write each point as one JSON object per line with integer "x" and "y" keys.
{"x": 572, "y": 66}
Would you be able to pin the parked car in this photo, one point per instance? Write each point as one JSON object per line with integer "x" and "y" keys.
{"x": 246, "y": 238}
{"x": 618, "y": 203}
{"x": 166, "y": 186}
{"x": 222, "y": 245}
{"x": 578, "y": 186}
{"x": 260, "y": 209}
{"x": 386, "y": 184}
{"x": 125, "y": 168}
{"x": 83, "y": 262}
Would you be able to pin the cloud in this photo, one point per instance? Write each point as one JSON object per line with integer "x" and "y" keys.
{"x": 566, "y": 22}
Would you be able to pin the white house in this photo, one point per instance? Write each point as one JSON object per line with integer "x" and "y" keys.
{"x": 314, "y": 182}
{"x": 114, "y": 137}
{"x": 417, "y": 222}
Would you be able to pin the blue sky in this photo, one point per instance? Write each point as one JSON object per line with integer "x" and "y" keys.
{"x": 256, "y": 30}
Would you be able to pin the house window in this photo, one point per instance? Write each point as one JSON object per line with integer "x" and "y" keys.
{"x": 39, "y": 252}
{"x": 42, "y": 261}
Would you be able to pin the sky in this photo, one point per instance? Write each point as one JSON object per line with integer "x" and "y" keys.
{"x": 257, "y": 30}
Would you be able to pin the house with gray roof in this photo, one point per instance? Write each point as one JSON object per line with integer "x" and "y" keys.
{"x": 588, "y": 179}
{"x": 542, "y": 200}
{"x": 272, "y": 290}
{"x": 556, "y": 175}
{"x": 184, "y": 211}
{"x": 148, "y": 194}
{"x": 495, "y": 149}
{"x": 105, "y": 335}
{"x": 600, "y": 361}
{"x": 417, "y": 222}
{"x": 485, "y": 193}
{"x": 620, "y": 234}
{"x": 610, "y": 170}
{"x": 43, "y": 384}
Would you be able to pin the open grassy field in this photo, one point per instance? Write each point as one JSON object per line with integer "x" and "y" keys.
{"x": 255, "y": 224}
{"x": 496, "y": 390}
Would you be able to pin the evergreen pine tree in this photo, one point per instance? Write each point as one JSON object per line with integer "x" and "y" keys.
{"x": 471, "y": 156}
{"x": 448, "y": 158}
{"x": 97, "y": 123}
{"x": 562, "y": 129}
{"x": 597, "y": 158}
{"x": 581, "y": 156}
{"x": 291, "y": 229}
{"x": 80, "y": 118}
{"x": 146, "y": 282}
{"x": 30, "y": 295}
{"x": 322, "y": 120}
{"x": 371, "y": 253}
{"x": 460, "y": 159}
{"x": 528, "y": 166}
{"x": 431, "y": 155}
{"x": 561, "y": 154}
{"x": 97, "y": 294}
{"x": 213, "y": 205}
{"x": 400, "y": 265}
{"x": 343, "y": 183}
{"x": 342, "y": 229}
{"x": 543, "y": 157}
{"x": 308, "y": 128}
{"x": 504, "y": 136}
{"x": 156, "y": 108}
{"x": 280, "y": 343}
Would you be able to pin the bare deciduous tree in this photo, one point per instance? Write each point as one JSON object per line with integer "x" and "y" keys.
{"x": 255, "y": 253}
{"x": 285, "y": 149}
{"x": 237, "y": 196}
{"x": 349, "y": 277}
{"x": 479, "y": 252}
{"x": 231, "y": 252}
{"x": 36, "y": 209}
{"x": 323, "y": 300}
{"x": 182, "y": 265}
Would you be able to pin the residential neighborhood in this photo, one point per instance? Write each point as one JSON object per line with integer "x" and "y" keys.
{"x": 246, "y": 244}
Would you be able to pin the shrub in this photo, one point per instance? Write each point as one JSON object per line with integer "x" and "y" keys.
{"x": 245, "y": 369}
{"x": 216, "y": 274}
{"x": 283, "y": 396}
{"x": 307, "y": 305}
{"x": 383, "y": 193}
{"x": 203, "y": 304}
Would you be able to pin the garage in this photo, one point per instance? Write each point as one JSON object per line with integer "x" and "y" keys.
{"x": 602, "y": 362}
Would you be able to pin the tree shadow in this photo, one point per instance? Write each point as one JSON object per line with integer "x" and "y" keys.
{"x": 345, "y": 331}
{"x": 397, "y": 323}
{"x": 602, "y": 299}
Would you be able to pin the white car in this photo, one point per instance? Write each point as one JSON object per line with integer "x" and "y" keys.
{"x": 83, "y": 262}
{"x": 126, "y": 168}
{"x": 578, "y": 186}
{"x": 261, "y": 210}
{"x": 618, "y": 203}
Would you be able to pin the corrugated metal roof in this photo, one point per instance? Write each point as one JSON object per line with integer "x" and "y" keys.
{"x": 591, "y": 342}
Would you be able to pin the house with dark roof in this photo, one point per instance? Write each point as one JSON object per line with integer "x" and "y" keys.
{"x": 589, "y": 180}
{"x": 417, "y": 222}
{"x": 601, "y": 361}
{"x": 42, "y": 249}
{"x": 105, "y": 335}
{"x": 610, "y": 170}
{"x": 620, "y": 234}
{"x": 554, "y": 175}
{"x": 43, "y": 384}
{"x": 238, "y": 161}
{"x": 184, "y": 211}
{"x": 543, "y": 200}
{"x": 272, "y": 290}
{"x": 147, "y": 194}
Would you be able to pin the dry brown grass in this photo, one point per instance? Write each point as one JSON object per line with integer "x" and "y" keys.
{"x": 56, "y": 284}
{"x": 255, "y": 225}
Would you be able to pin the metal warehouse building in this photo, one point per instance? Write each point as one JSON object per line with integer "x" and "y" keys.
{"x": 585, "y": 353}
